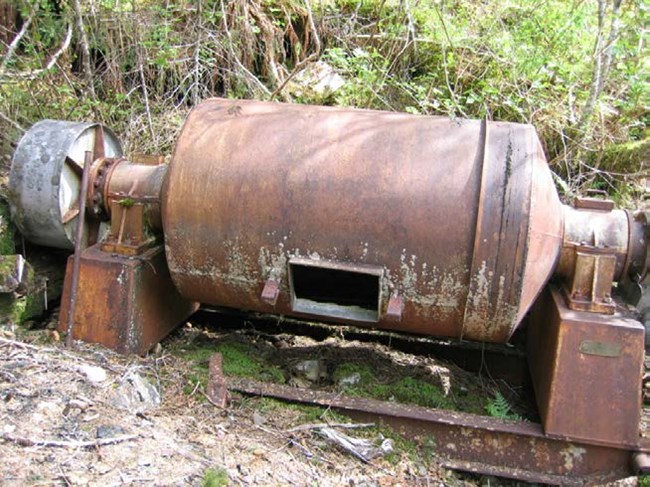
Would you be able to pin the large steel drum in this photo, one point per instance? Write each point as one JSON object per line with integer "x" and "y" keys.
{"x": 424, "y": 224}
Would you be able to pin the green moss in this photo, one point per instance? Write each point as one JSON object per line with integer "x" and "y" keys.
{"x": 215, "y": 478}
{"x": 306, "y": 413}
{"x": 239, "y": 360}
{"x": 11, "y": 308}
{"x": 7, "y": 243}
{"x": 34, "y": 306}
{"x": 414, "y": 391}
{"x": 644, "y": 481}
{"x": 410, "y": 390}
{"x": 623, "y": 158}
{"x": 406, "y": 390}
{"x": 18, "y": 309}
{"x": 126, "y": 202}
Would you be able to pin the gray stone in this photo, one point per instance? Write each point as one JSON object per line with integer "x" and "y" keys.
{"x": 136, "y": 394}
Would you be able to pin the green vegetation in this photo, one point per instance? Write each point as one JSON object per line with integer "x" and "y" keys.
{"x": 409, "y": 390}
{"x": 499, "y": 407}
{"x": 126, "y": 202}
{"x": 215, "y": 478}
{"x": 7, "y": 244}
{"x": 239, "y": 360}
{"x": 577, "y": 73}
{"x": 18, "y": 309}
{"x": 305, "y": 413}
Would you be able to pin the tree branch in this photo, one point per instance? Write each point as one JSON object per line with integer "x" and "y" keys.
{"x": 88, "y": 73}
{"x": 14, "y": 44}
{"x": 314, "y": 55}
{"x": 66, "y": 444}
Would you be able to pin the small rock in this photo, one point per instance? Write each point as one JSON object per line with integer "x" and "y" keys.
{"x": 312, "y": 370}
{"x": 7, "y": 333}
{"x": 109, "y": 431}
{"x": 101, "y": 468}
{"x": 94, "y": 375}
{"x": 350, "y": 380}
{"x": 317, "y": 80}
{"x": 188, "y": 325}
{"x": 258, "y": 419}
{"x": 54, "y": 336}
{"x": 258, "y": 452}
{"x": 75, "y": 404}
{"x": 136, "y": 394}
{"x": 78, "y": 478}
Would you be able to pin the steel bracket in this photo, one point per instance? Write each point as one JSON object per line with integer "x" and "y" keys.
{"x": 591, "y": 284}
{"x": 128, "y": 303}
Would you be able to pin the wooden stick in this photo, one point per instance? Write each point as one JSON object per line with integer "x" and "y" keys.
{"x": 312, "y": 426}
{"x": 67, "y": 444}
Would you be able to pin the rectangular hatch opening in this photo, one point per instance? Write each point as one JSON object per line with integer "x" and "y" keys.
{"x": 335, "y": 290}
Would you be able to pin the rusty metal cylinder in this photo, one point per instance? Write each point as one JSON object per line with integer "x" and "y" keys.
{"x": 421, "y": 224}
{"x": 597, "y": 229}
{"x": 140, "y": 183}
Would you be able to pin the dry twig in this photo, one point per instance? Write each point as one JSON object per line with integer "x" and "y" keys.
{"x": 67, "y": 444}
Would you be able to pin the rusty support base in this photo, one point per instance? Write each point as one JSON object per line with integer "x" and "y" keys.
{"x": 472, "y": 443}
{"x": 128, "y": 303}
{"x": 587, "y": 372}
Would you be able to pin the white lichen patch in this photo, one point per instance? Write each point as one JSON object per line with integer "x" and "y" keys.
{"x": 436, "y": 293}
{"x": 483, "y": 317}
{"x": 572, "y": 455}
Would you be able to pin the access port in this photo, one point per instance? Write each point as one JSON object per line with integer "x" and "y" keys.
{"x": 335, "y": 290}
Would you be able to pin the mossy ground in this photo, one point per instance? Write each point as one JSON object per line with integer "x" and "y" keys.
{"x": 406, "y": 389}
{"x": 373, "y": 372}
{"x": 239, "y": 360}
{"x": 215, "y": 478}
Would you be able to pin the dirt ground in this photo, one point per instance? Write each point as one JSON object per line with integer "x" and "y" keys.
{"x": 91, "y": 417}
{"x": 64, "y": 421}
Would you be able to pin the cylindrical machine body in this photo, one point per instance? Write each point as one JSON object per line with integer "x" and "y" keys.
{"x": 457, "y": 220}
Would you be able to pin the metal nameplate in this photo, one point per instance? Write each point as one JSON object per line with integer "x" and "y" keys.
{"x": 602, "y": 349}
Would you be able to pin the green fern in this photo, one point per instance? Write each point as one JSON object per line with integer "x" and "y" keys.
{"x": 499, "y": 407}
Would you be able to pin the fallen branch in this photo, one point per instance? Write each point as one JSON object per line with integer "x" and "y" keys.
{"x": 67, "y": 444}
{"x": 85, "y": 48}
{"x": 362, "y": 448}
{"x": 14, "y": 44}
{"x": 11, "y": 122}
{"x": 16, "y": 343}
{"x": 312, "y": 426}
{"x": 30, "y": 75}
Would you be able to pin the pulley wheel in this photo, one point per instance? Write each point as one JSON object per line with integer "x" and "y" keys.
{"x": 45, "y": 178}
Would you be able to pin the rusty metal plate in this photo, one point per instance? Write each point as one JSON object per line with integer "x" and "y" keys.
{"x": 601, "y": 349}
{"x": 473, "y": 443}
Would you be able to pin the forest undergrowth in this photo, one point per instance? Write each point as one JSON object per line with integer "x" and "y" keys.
{"x": 576, "y": 70}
